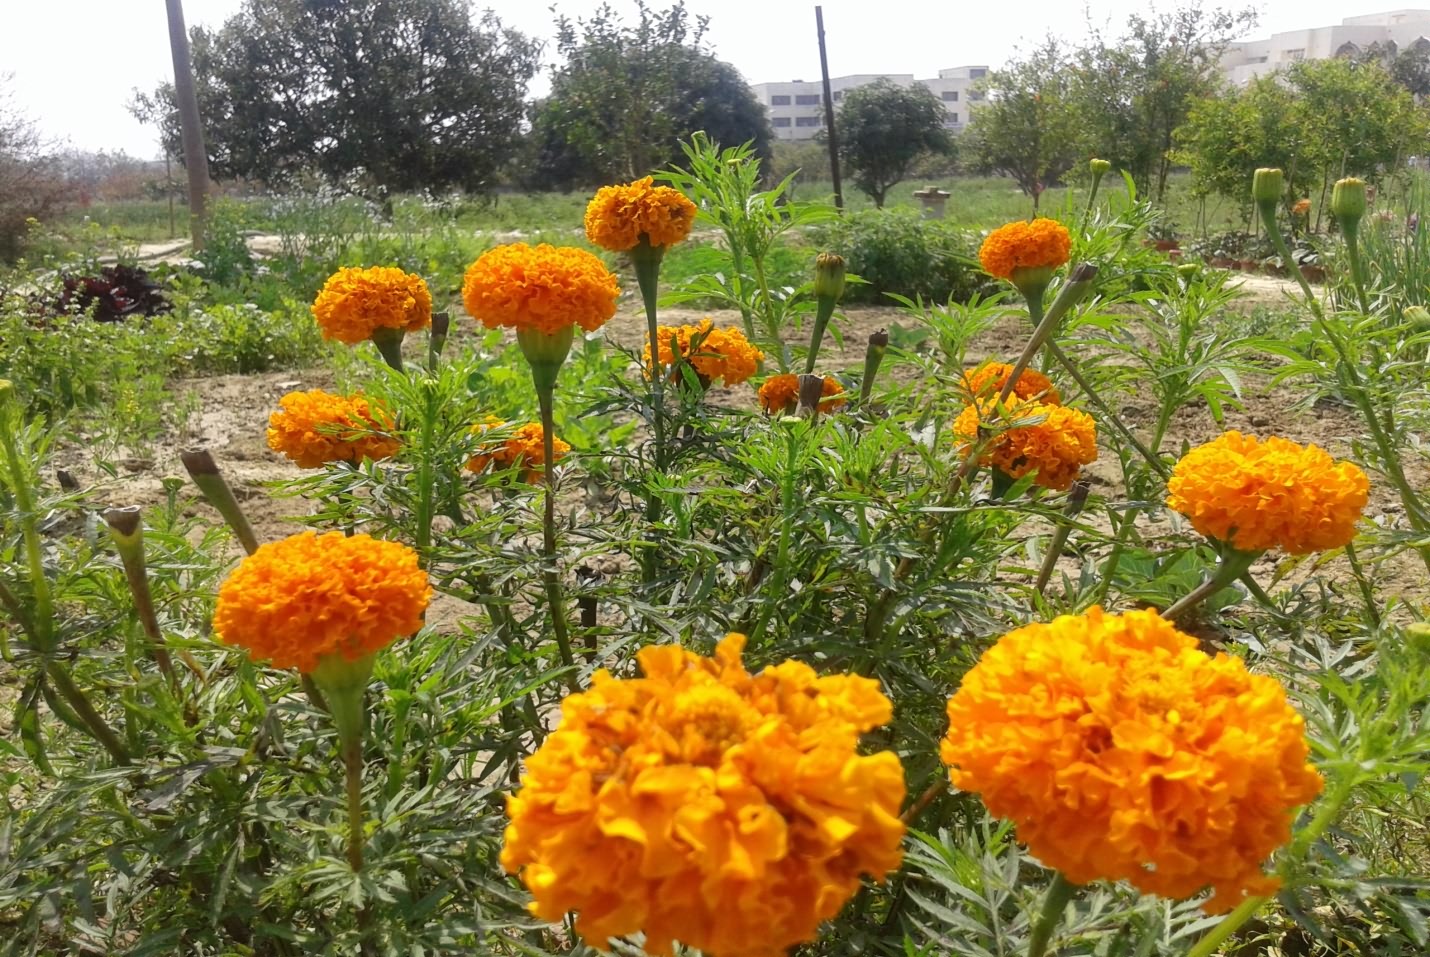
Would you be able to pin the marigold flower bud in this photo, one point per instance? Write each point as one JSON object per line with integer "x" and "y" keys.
{"x": 1418, "y": 317}
{"x": 829, "y": 276}
{"x": 7, "y": 389}
{"x": 1099, "y": 167}
{"x": 1348, "y": 201}
{"x": 1418, "y": 637}
{"x": 1267, "y": 185}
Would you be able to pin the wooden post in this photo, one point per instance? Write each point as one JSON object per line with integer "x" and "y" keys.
{"x": 196, "y": 160}
{"x": 829, "y": 112}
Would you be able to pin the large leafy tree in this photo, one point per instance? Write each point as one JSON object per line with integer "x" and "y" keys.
{"x": 884, "y": 130}
{"x": 1227, "y": 137}
{"x": 401, "y": 94}
{"x": 31, "y": 184}
{"x": 628, "y": 92}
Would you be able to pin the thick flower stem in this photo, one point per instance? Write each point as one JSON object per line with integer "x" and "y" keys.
{"x": 1054, "y": 903}
{"x": 646, "y": 260}
{"x": 1077, "y": 498}
{"x": 549, "y": 573}
{"x": 1352, "y": 237}
{"x": 1079, "y": 283}
{"x": 824, "y": 310}
{"x": 352, "y": 767}
{"x": 345, "y": 684}
{"x": 206, "y": 475}
{"x": 127, "y": 531}
{"x": 1233, "y": 565}
{"x": 19, "y": 476}
{"x": 389, "y": 344}
{"x": 77, "y": 700}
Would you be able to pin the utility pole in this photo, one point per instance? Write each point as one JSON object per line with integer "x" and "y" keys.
{"x": 196, "y": 160}
{"x": 829, "y": 112}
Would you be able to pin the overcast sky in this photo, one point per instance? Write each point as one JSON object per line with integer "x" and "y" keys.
{"x": 75, "y": 62}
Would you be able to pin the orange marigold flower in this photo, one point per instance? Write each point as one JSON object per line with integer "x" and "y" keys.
{"x": 780, "y": 394}
{"x": 988, "y": 380}
{"x": 545, "y": 288}
{"x": 355, "y": 302}
{"x": 1257, "y": 495}
{"x": 1301, "y": 207}
{"x": 700, "y": 803}
{"x": 525, "y": 446}
{"x": 295, "y": 601}
{"x": 1122, "y": 752}
{"x": 723, "y": 354}
{"x": 315, "y": 427}
{"x": 1052, "y": 441}
{"x": 618, "y": 216}
{"x": 1041, "y": 244}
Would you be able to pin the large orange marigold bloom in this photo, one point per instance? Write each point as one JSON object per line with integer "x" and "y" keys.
{"x": 354, "y": 303}
{"x": 723, "y": 354}
{"x": 780, "y": 394}
{"x": 544, "y": 288}
{"x": 618, "y": 216}
{"x": 700, "y": 803}
{"x": 298, "y": 600}
{"x": 315, "y": 427}
{"x": 988, "y": 380}
{"x": 1052, "y": 441}
{"x": 1257, "y": 495}
{"x": 525, "y": 446}
{"x": 1122, "y": 752}
{"x": 1041, "y": 244}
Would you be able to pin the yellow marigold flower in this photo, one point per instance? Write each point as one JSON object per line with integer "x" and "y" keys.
{"x": 780, "y": 393}
{"x": 618, "y": 216}
{"x": 723, "y": 354}
{"x": 525, "y": 446}
{"x": 700, "y": 803}
{"x": 298, "y": 600}
{"x": 355, "y": 302}
{"x": 1257, "y": 495}
{"x": 544, "y": 288}
{"x": 315, "y": 427}
{"x": 1052, "y": 441}
{"x": 1041, "y": 244}
{"x": 1122, "y": 752}
{"x": 988, "y": 380}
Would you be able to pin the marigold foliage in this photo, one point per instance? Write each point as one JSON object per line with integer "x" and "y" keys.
{"x": 354, "y": 303}
{"x": 295, "y": 601}
{"x": 543, "y": 288}
{"x": 315, "y": 427}
{"x": 1052, "y": 442}
{"x": 1257, "y": 495}
{"x": 780, "y": 393}
{"x": 1122, "y": 752}
{"x": 618, "y": 216}
{"x": 988, "y": 380}
{"x": 1041, "y": 244}
{"x": 723, "y": 353}
{"x": 731, "y": 812}
{"x": 525, "y": 446}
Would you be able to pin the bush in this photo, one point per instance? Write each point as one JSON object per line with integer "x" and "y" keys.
{"x": 897, "y": 252}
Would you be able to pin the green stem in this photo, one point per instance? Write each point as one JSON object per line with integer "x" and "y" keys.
{"x": 1091, "y": 195}
{"x": 352, "y": 766}
{"x": 646, "y": 260}
{"x": 1076, "y": 500}
{"x": 1232, "y": 566}
{"x": 772, "y": 329}
{"x": 1367, "y": 593}
{"x": 425, "y": 483}
{"x": 43, "y": 622}
{"x": 1357, "y": 267}
{"x": 824, "y": 310}
{"x": 1054, "y": 903}
{"x": 781, "y": 564}
{"x": 92, "y": 719}
{"x": 1108, "y": 414}
{"x": 549, "y": 575}
{"x": 389, "y": 344}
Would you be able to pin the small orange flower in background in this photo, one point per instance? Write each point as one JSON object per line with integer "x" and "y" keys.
{"x": 298, "y": 600}
{"x": 780, "y": 393}
{"x": 354, "y": 303}
{"x": 1052, "y": 441}
{"x": 1301, "y": 207}
{"x": 988, "y": 380}
{"x": 723, "y": 353}
{"x": 1121, "y": 752}
{"x": 315, "y": 427}
{"x": 1256, "y": 495}
{"x": 525, "y": 446}
{"x": 618, "y": 216}
{"x": 700, "y": 803}
{"x": 1041, "y": 244}
{"x": 542, "y": 288}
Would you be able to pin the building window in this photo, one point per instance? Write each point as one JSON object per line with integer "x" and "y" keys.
{"x": 779, "y": 100}
{"x": 838, "y": 95}
{"x": 1296, "y": 54}
{"x": 806, "y": 99}
{"x": 950, "y": 96}
{"x": 780, "y": 121}
{"x": 975, "y": 95}
{"x": 953, "y": 117}
{"x": 977, "y": 73}
{"x": 806, "y": 121}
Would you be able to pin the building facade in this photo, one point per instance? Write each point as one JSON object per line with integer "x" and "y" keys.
{"x": 1389, "y": 32}
{"x": 796, "y": 108}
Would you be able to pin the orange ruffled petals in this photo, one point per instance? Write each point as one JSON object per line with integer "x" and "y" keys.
{"x": 1052, "y": 442}
{"x": 295, "y": 601}
{"x": 618, "y": 216}
{"x": 542, "y": 288}
{"x": 525, "y": 446}
{"x": 1121, "y": 752}
{"x": 1257, "y": 495}
{"x": 315, "y": 427}
{"x": 354, "y": 303}
{"x": 780, "y": 393}
{"x": 988, "y": 380}
{"x": 723, "y": 353}
{"x": 700, "y": 803}
{"x": 1041, "y": 244}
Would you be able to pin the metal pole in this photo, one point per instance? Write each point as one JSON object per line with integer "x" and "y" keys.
{"x": 829, "y": 112}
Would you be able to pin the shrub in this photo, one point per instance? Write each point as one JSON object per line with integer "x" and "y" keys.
{"x": 897, "y": 252}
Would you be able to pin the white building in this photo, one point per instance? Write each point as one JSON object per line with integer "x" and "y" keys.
{"x": 1395, "y": 30}
{"x": 796, "y": 108}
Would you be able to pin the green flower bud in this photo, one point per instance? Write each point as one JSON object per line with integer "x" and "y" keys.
{"x": 1189, "y": 271}
{"x": 1348, "y": 200}
{"x": 1417, "y": 636}
{"x": 1099, "y": 167}
{"x": 7, "y": 389}
{"x": 545, "y": 352}
{"x": 1267, "y": 186}
{"x": 828, "y": 276}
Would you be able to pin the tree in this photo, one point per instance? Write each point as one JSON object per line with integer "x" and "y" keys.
{"x": 626, "y": 94}
{"x": 1028, "y": 128}
{"x": 31, "y": 185}
{"x": 401, "y": 94}
{"x": 190, "y": 123}
{"x": 884, "y": 130}
{"x": 1227, "y": 137}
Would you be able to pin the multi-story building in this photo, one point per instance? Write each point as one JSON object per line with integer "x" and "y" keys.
{"x": 1389, "y": 32}
{"x": 796, "y": 108}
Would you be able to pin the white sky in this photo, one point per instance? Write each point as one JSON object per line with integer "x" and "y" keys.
{"x": 75, "y": 62}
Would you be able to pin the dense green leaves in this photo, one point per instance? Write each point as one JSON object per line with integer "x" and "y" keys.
{"x": 884, "y": 129}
